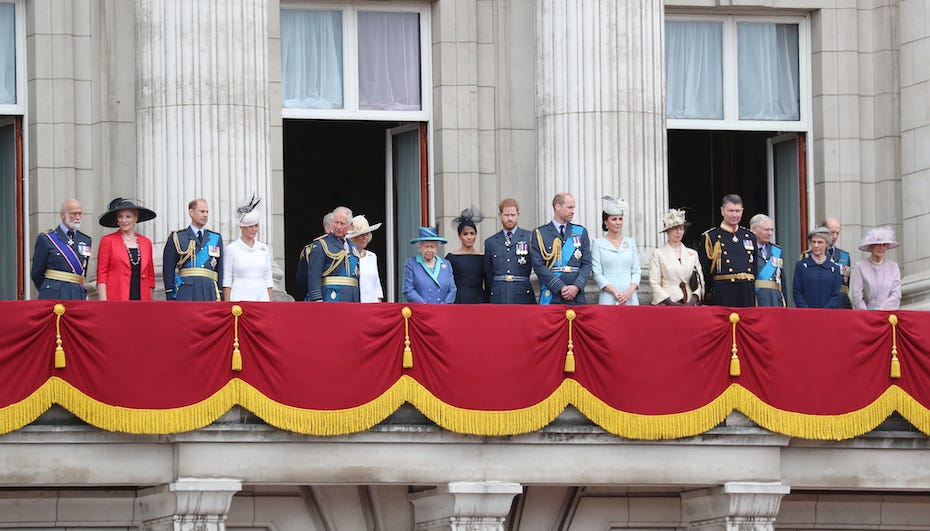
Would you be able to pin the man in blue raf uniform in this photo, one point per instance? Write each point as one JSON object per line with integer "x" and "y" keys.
{"x": 332, "y": 263}
{"x": 729, "y": 258}
{"x": 59, "y": 263}
{"x": 192, "y": 265}
{"x": 837, "y": 256}
{"x": 770, "y": 279}
{"x": 507, "y": 264}
{"x": 561, "y": 255}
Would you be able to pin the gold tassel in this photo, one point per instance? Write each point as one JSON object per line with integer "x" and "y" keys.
{"x": 734, "y": 359}
{"x": 408, "y": 354}
{"x": 895, "y": 364}
{"x": 59, "y": 310}
{"x": 570, "y": 357}
{"x": 236, "y": 355}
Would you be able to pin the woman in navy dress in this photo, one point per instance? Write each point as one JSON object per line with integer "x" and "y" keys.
{"x": 468, "y": 262}
{"x": 817, "y": 279}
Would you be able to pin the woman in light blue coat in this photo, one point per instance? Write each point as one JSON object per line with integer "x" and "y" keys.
{"x": 615, "y": 259}
{"x": 427, "y": 277}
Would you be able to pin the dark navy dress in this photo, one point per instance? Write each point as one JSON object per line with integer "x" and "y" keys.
{"x": 468, "y": 271}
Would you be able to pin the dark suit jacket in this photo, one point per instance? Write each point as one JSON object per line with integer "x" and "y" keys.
{"x": 114, "y": 270}
{"x": 501, "y": 260}
{"x": 547, "y": 278}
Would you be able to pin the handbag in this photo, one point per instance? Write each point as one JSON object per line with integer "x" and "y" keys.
{"x": 695, "y": 281}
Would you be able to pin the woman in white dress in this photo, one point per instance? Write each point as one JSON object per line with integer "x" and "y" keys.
{"x": 369, "y": 282}
{"x": 674, "y": 270}
{"x": 247, "y": 264}
{"x": 615, "y": 259}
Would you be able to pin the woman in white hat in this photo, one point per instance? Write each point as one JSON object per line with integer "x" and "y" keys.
{"x": 614, "y": 258}
{"x": 369, "y": 282}
{"x": 247, "y": 265}
{"x": 876, "y": 282}
{"x": 675, "y": 274}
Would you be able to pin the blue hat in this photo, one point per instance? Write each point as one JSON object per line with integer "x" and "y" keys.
{"x": 428, "y": 234}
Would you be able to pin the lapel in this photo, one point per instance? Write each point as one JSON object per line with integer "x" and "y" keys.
{"x": 123, "y": 250}
{"x": 192, "y": 234}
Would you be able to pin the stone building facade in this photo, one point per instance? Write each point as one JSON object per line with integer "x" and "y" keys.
{"x": 168, "y": 100}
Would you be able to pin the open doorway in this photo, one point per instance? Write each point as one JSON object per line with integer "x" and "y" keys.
{"x": 375, "y": 168}
{"x": 766, "y": 168}
{"x": 12, "y": 280}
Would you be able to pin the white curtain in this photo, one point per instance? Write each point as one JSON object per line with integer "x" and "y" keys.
{"x": 694, "y": 69}
{"x": 389, "y": 61}
{"x": 768, "y": 71}
{"x": 311, "y": 59}
{"x": 7, "y": 54}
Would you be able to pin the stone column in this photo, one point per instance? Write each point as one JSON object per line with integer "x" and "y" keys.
{"x": 202, "y": 115}
{"x": 188, "y": 504}
{"x": 600, "y": 92}
{"x": 736, "y": 506}
{"x": 465, "y": 506}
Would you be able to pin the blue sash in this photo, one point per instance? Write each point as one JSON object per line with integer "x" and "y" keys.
{"x": 568, "y": 249}
{"x": 768, "y": 270}
{"x": 73, "y": 260}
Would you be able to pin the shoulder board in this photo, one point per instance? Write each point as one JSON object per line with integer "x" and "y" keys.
{"x": 708, "y": 231}
{"x": 320, "y": 237}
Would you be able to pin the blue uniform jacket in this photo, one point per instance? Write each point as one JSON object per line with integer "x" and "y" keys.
{"x": 580, "y": 263}
{"x": 501, "y": 260}
{"x": 770, "y": 269}
{"x": 327, "y": 258}
{"x": 817, "y": 285}
{"x": 419, "y": 286}
{"x": 47, "y": 256}
{"x": 192, "y": 288}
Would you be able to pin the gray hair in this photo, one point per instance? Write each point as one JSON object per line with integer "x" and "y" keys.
{"x": 731, "y": 198}
{"x": 66, "y": 202}
{"x": 346, "y": 211}
{"x": 819, "y": 232}
{"x": 327, "y": 221}
{"x": 757, "y": 220}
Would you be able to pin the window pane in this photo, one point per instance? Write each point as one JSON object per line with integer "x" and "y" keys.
{"x": 7, "y": 54}
{"x": 389, "y": 61}
{"x": 694, "y": 69}
{"x": 768, "y": 71}
{"x": 311, "y": 59}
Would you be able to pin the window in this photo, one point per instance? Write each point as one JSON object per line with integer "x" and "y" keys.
{"x": 729, "y": 72}
{"x": 9, "y": 52}
{"x": 355, "y": 62}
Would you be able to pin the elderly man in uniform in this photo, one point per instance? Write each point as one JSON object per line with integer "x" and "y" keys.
{"x": 561, "y": 255}
{"x": 840, "y": 258}
{"x": 729, "y": 258}
{"x": 507, "y": 266}
{"x": 59, "y": 263}
{"x": 332, "y": 263}
{"x": 770, "y": 284}
{"x": 192, "y": 262}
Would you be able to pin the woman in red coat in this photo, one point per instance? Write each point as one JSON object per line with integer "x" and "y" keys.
{"x": 125, "y": 271}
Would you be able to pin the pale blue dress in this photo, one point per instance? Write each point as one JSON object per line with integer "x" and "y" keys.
{"x": 619, "y": 267}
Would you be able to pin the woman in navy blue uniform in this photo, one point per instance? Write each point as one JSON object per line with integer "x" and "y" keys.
{"x": 468, "y": 262}
{"x": 817, "y": 279}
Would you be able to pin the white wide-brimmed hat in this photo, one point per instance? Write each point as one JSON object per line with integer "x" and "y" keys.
{"x": 360, "y": 226}
{"x": 878, "y": 236}
{"x": 674, "y": 218}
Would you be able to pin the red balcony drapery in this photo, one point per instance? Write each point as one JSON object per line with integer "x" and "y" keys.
{"x": 639, "y": 372}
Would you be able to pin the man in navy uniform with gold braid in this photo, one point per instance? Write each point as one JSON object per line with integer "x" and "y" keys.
{"x": 192, "y": 262}
{"x": 59, "y": 263}
{"x": 561, "y": 255}
{"x": 332, "y": 263}
{"x": 728, "y": 258}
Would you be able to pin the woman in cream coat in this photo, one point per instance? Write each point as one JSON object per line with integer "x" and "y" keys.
{"x": 674, "y": 270}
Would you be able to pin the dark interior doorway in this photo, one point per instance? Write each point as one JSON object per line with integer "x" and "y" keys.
{"x": 327, "y": 164}
{"x": 704, "y": 166}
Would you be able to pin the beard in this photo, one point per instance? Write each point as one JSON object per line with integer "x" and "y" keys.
{"x": 74, "y": 224}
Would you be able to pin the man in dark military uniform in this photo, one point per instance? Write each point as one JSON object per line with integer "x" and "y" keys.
{"x": 332, "y": 263}
{"x": 729, "y": 258}
{"x": 59, "y": 262}
{"x": 770, "y": 279}
{"x": 837, "y": 256}
{"x": 561, "y": 255}
{"x": 507, "y": 264}
{"x": 192, "y": 265}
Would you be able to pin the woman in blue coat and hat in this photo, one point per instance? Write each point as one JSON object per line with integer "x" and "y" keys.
{"x": 427, "y": 277}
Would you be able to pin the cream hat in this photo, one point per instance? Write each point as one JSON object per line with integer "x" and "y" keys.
{"x": 674, "y": 218}
{"x": 877, "y": 236}
{"x": 360, "y": 226}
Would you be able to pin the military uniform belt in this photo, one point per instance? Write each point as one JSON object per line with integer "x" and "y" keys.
{"x": 844, "y": 289}
{"x": 767, "y": 284}
{"x": 564, "y": 269}
{"x": 74, "y": 278}
{"x": 510, "y": 278}
{"x": 340, "y": 281}
{"x": 735, "y": 276}
{"x": 198, "y": 272}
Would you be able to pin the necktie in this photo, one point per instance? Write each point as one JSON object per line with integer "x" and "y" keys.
{"x": 70, "y": 237}
{"x": 509, "y": 235}
{"x": 562, "y": 232}
{"x": 200, "y": 237}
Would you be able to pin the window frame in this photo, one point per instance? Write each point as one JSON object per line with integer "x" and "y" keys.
{"x": 350, "y": 99}
{"x": 730, "y": 62}
{"x": 19, "y": 28}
